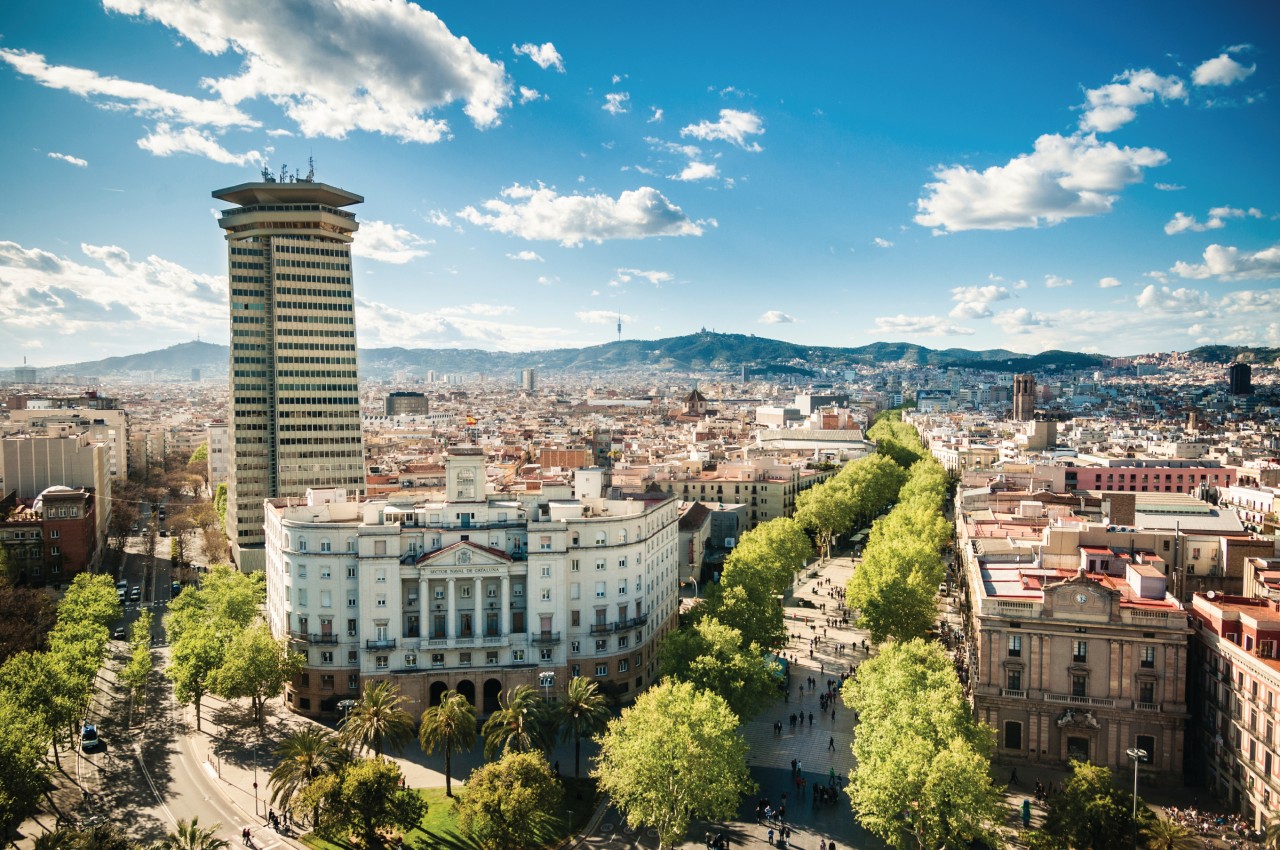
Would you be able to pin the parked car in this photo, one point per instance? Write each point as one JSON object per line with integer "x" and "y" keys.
{"x": 806, "y": 603}
{"x": 117, "y": 633}
{"x": 89, "y": 739}
{"x": 135, "y": 593}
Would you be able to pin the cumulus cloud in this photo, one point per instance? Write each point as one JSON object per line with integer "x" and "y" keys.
{"x": 880, "y": 242}
{"x": 1064, "y": 177}
{"x": 478, "y": 310}
{"x": 1021, "y": 321}
{"x": 545, "y": 55}
{"x": 602, "y": 317}
{"x": 1169, "y": 187}
{"x": 543, "y": 214}
{"x": 775, "y": 317}
{"x": 657, "y": 278}
{"x": 527, "y": 94}
{"x": 974, "y": 302}
{"x": 918, "y": 326}
{"x": 697, "y": 171}
{"x": 1229, "y": 263}
{"x": 1052, "y": 281}
{"x": 1109, "y": 283}
{"x": 617, "y": 102}
{"x": 468, "y": 326}
{"x": 165, "y": 140}
{"x": 345, "y": 65}
{"x": 387, "y": 243}
{"x": 734, "y": 126}
{"x": 1112, "y": 106}
{"x": 68, "y": 158}
{"x": 656, "y": 116}
{"x": 1162, "y": 299}
{"x": 526, "y": 256}
{"x": 1221, "y": 70}
{"x": 1181, "y": 222}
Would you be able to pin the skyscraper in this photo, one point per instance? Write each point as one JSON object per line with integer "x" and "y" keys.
{"x": 528, "y": 380}
{"x": 1024, "y": 397}
{"x": 1240, "y": 378}
{"x": 295, "y": 402}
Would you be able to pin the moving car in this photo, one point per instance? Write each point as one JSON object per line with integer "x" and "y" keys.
{"x": 118, "y": 633}
{"x": 135, "y": 593}
{"x": 89, "y": 739}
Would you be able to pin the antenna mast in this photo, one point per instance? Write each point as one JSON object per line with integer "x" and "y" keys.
{"x": 619, "y": 327}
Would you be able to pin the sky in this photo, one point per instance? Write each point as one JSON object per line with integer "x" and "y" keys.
{"x": 1086, "y": 176}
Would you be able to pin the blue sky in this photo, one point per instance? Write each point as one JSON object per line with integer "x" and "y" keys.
{"x": 1097, "y": 177}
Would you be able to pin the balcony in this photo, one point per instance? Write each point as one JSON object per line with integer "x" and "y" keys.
{"x": 388, "y": 643}
{"x": 1138, "y": 705}
{"x": 601, "y": 628}
{"x": 325, "y": 639}
{"x": 438, "y": 642}
{"x": 1094, "y": 702}
{"x": 545, "y": 637}
{"x": 494, "y": 640}
{"x": 1012, "y": 693}
{"x": 623, "y": 625}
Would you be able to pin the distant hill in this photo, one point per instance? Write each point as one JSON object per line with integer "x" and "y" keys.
{"x": 705, "y": 351}
{"x": 1231, "y": 353}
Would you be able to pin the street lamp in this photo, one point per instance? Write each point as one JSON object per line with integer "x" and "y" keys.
{"x": 546, "y": 679}
{"x": 694, "y": 582}
{"x": 346, "y": 705}
{"x": 1137, "y": 755}
{"x": 255, "y": 782}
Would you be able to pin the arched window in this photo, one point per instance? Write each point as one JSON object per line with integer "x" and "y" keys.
{"x": 324, "y": 544}
{"x": 600, "y": 538}
{"x": 622, "y": 535}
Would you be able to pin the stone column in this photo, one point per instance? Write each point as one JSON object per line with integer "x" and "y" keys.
{"x": 450, "y": 625}
{"x": 505, "y": 619}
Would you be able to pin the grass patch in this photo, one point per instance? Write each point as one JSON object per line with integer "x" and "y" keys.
{"x": 439, "y": 829}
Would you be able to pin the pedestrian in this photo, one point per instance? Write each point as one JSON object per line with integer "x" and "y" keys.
{"x": 833, "y": 713}
{"x": 831, "y": 743}
{"x": 811, "y": 718}
{"x": 1013, "y": 777}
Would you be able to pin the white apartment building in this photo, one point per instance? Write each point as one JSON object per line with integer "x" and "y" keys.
{"x": 218, "y": 456}
{"x": 475, "y": 593}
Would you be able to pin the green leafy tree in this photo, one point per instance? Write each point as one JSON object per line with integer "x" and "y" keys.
{"x": 194, "y": 659}
{"x": 378, "y": 720}
{"x": 1091, "y": 812}
{"x": 519, "y": 724}
{"x": 1271, "y": 834}
{"x": 255, "y": 665}
{"x": 24, "y": 740}
{"x": 363, "y": 802}
{"x": 711, "y": 656}
{"x": 922, "y": 774}
{"x": 674, "y": 755}
{"x": 827, "y": 511}
{"x": 451, "y": 726}
{"x": 190, "y": 835}
{"x": 894, "y": 588}
{"x": 508, "y": 803}
{"x": 91, "y": 598}
{"x": 751, "y": 609}
{"x": 220, "y": 502}
{"x": 52, "y": 692}
{"x": 304, "y": 757}
{"x": 769, "y": 555}
{"x": 135, "y": 674}
{"x": 584, "y": 713}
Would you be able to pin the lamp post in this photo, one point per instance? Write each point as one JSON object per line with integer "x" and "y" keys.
{"x": 255, "y": 782}
{"x": 346, "y": 705}
{"x": 546, "y": 679}
{"x": 694, "y": 582}
{"x": 1137, "y": 755}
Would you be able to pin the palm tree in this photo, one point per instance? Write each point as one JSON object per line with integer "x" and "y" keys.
{"x": 450, "y": 725}
{"x": 583, "y": 713}
{"x": 1163, "y": 834}
{"x": 1271, "y": 838}
{"x": 190, "y": 836}
{"x": 378, "y": 720}
{"x": 55, "y": 840}
{"x": 305, "y": 756}
{"x": 517, "y": 724}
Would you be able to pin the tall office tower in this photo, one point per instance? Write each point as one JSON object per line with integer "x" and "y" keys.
{"x": 295, "y": 403}
{"x": 528, "y": 380}
{"x": 1240, "y": 376}
{"x": 1024, "y": 397}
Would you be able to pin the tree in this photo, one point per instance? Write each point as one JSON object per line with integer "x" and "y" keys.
{"x": 51, "y": 690}
{"x": 305, "y": 756}
{"x": 362, "y": 801}
{"x": 1092, "y": 812}
{"x": 922, "y": 774}
{"x": 27, "y": 616}
{"x": 507, "y": 803}
{"x": 194, "y": 658}
{"x": 751, "y": 609}
{"x": 711, "y": 656}
{"x": 451, "y": 725}
{"x": 91, "y": 598}
{"x": 826, "y": 510}
{"x": 378, "y": 720}
{"x": 220, "y": 502}
{"x": 1162, "y": 834}
{"x": 255, "y": 665}
{"x": 894, "y": 587}
{"x": 1271, "y": 835}
{"x": 583, "y": 713}
{"x": 768, "y": 556}
{"x": 674, "y": 755}
{"x": 189, "y": 835}
{"x": 23, "y": 744}
{"x": 518, "y": 724}
{"x": 137, "y": 671}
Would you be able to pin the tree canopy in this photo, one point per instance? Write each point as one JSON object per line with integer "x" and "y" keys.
{"x": 1092, "y": 812}
{"x": 506, "y": 802}
{"x": 711, "y": 656}
{"x": 451, "y": 726}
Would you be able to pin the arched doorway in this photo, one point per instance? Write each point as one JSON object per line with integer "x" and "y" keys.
{"x": 468, "y": 689}
{"x": 492, "y": 687}
{"x": 437, "y": 692}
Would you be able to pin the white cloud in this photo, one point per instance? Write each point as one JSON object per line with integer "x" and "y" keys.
{"x": 1222, "y": 70}
{"x": 697, "y": 171}
{"x": 1064, "y": 177}
{"x": 974, "y": 302}
{"x": 657, "y": 278}
{"x": 1021, "y": 321}
{"x": 1229, "y": 263}
{"x": 602, "y": 317}
{"x": 545, "y": 55}
{"x": 543, "y": 214}
{"x": 1112, "y": 106}
{"x": 527, "y": 94}
{"x": 1109, "y": 283}
{"x": 617, "y": 102}
{"x": 918, "y": 326}
{"x": 880, "y": 242}
{"x": 165, "y": 140}
{"x": 387, "y": 243}
{"x": 526, "y": 256}
{"x": 140, "y": 98}
{"x": 547, "y": 280}
{"x": 1162, "y": 299}
{"x": 478, "y": 310}
{"x": 734, "y": 127}
{"x": 463, "y": 327}
{"x": 439, "y": 218}
{"x": 344, "y": 65}
{"x": 1169, "y": 187}
{"x": 775, "y": 317}
{"x": 1052, "y": 281}
{"x": 68, "y": 158}
{"x": 1181, "y": 222}
{"x": 656, "y": 116}
{"x": 1019, "y": 284}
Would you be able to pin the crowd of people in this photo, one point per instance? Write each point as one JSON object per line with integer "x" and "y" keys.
{"x": 1230, "y": 828}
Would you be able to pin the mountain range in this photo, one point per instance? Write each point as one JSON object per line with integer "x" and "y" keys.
{"x": 699, "y": 352}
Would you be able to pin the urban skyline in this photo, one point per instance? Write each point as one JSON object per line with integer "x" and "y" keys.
{"x": 956, "y": 179}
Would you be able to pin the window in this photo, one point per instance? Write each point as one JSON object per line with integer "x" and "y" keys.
{"x": 411, "y": 659}
{"x": 326, "y": 599}
{"x": 1080, "y": 652}
{"x": 1148, "y": 657}
{"x": 353, "y": 657}
{"x": 546, "y": 572}
{"x": 1014, "y": 678}
{"x": 381, "y": 601}
{"x": 622, "y": 563}
{"x": 326, "y": 572}
{"x": 466, "y": 591}
{"x": 1147, "y": 743}
{"x": 1012, "y": 735}
{"x": 601, "y": 590}
{"x": 54, "y": 535}
{"x": 575, "y": 618}
{"x": 326, "y": 658}
{"x": 573, "y": 566}
{"x": 544, "y": 543}
{"x": 546, "y": 594}
{"x": 491, "y": 592}
{"x": 326, "y": 681}
{"x": 602, "y": 645}
{"x": 600, "y": 538}
{"x": 439, "y": 593}
{"x": 302, "y": 597}
{"x": 351, "y": 544}
{"x": 575, "y": 590}
{"x": 380, "y": 662}
{"x": 302, "y": 570}
{"x": 602, "y": 669}
{"x": 351, "y": 600}
{"x": 545, "y": 654}
{"x": 623, "y": 666}
{"x": 517, "y": 589}
{"x": 1015, "y": 646}
{"x": 351, "y": 628}
{"x": 575, "y": 646}
{"x": 353, "y": 681}
{"x": 379, "y": 547}
{"x": 600, "y": 565}
{"x": 351, "y": 572}
{"x": 1079, "y": 686}
{"x": 380, "y": 576}
{"x": 517, "y": 655}
{"x": 302, "y": 544}
{"x": 464, "y": 659}
{"x": 1147, "y": 692}
{"x": 324, "y": 545}
{"x": 491, "y": 657}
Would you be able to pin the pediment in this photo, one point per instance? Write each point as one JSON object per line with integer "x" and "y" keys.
{"x": 464, "y": 554}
